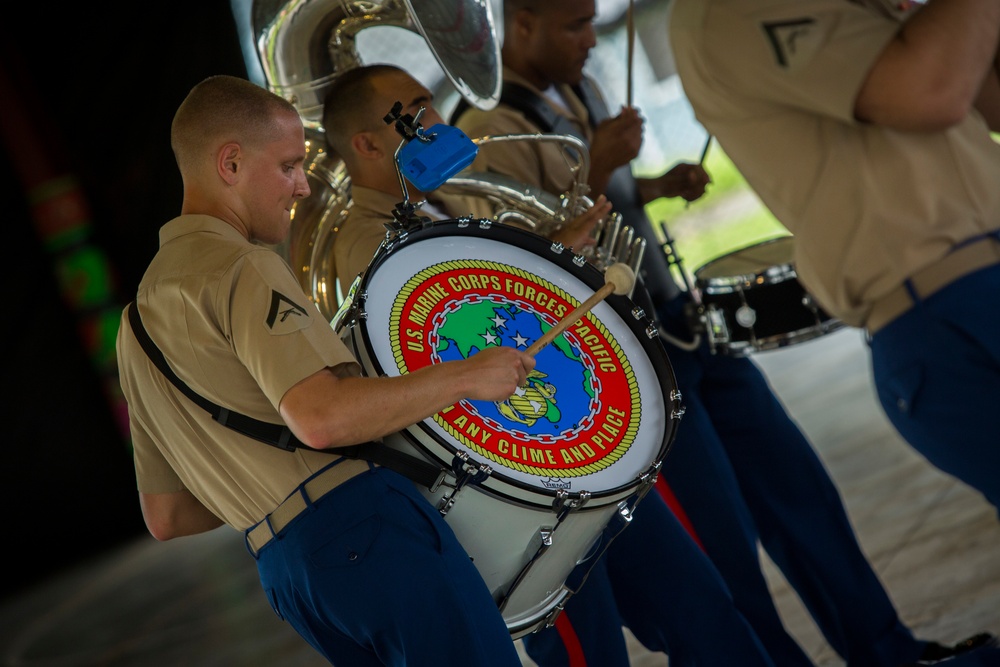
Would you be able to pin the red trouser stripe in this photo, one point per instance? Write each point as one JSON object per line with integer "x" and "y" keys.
{"x": 574, "y": 652}
{"x": 675, "y": 506}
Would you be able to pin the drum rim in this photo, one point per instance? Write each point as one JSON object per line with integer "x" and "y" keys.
{"x": 769, "y": 274}
{"x": 591, "y": 276}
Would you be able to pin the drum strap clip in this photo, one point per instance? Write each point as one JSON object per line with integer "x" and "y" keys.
{"x": 280, "y": 436}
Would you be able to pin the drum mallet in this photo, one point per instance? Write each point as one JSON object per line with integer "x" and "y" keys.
{"x": 618, "y": 279}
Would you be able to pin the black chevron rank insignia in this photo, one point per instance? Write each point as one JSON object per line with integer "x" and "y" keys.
{"x": 788, "y": 37}
{"x": 284, "y": 311}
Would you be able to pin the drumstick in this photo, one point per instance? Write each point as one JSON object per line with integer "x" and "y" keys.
{"x": 701, "y": 160}
{"x": 630, "y": 23}
{"x": 618, "y": 278}
{"x": 704, "y": 151}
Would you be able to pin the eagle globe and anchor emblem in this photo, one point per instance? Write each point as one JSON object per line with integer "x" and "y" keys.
{"x": 579, "y": 411}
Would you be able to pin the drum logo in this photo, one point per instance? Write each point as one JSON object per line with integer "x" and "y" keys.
{"x": 579, "y": 411}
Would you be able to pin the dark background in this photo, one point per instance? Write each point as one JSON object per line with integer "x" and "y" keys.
{"x": 86, "y": 91}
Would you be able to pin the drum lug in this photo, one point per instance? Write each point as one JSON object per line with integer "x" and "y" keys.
{"x": 466, "y": 471}
{"x": 535, "y": 550}
{"x": 646, "y": 482}
{"x": 550, "y": 618}
{"x": 352, "y": 308}
{"x": 543, "y": 540}
{"x": 675, "y": 397}
{"x": 439, "y": 481}
{"x": 564, "y": 504}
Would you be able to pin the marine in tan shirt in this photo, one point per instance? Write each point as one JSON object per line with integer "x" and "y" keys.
{"x": 776, "y": 82}
{"x": 332, "y": 538}
{"x": 866, "y": 128}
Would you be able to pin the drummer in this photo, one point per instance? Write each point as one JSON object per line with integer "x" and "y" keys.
{"x": 700, "y": 608}
{"x": 333, "y": 537}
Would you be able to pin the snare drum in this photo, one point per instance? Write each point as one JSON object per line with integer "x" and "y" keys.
{"x": 753, "y": 301}
{"x": 534, "y": 480}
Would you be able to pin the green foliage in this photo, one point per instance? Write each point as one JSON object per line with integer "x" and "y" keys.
{"x": 728, "y": 217}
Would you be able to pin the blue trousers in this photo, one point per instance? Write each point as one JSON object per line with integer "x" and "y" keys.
{"x": 937, "y": 372}
{"x": 655, "y": 580}
{"x": 371, "y": 575}
{"x": 743, "y": 473}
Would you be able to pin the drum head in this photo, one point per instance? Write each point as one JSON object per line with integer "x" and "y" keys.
{"x": 597, "y": 411}
{"x": 769, "y": 261}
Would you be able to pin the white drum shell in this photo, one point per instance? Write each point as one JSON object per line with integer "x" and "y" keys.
{"x": 504, "y": 520}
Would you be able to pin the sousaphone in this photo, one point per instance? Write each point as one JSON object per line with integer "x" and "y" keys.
{"x": 301, "y": 46}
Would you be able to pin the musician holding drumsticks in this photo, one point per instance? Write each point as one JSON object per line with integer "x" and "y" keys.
{"x": 740, "y": 468}
{"x": 360, "y": 98}
{"x": 348, "y": 552}
{"x": 877, "y": 116}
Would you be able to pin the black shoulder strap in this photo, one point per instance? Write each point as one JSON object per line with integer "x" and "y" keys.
{"x": 531, "y": 105}
{"x": 279, "y": 435}
{"x": 597, "y": 110}
{"x": 272, "y": 434}
{"x": 524, "y": 100}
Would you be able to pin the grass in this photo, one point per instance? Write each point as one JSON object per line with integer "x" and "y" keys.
{"x": 728, "y": 217}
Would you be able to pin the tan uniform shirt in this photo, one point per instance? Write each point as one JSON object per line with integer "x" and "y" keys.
{"x": 362, "y": 233}
{"x": 544, "y": 165}
{"x": 775, "y": 82}
{"x": 364, "y": 228}
{"x": 235, "y": 326}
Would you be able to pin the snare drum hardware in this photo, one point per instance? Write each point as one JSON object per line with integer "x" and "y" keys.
{"x": 752, "y": 300}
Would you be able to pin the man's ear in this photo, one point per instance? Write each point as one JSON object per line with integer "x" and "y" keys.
{"x": 367, "y": 146}
{"x": 229, "y": 163}
{"x": 524, "y": 22}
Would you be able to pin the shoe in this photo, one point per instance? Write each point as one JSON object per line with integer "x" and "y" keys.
{"x": 934, "y": 652}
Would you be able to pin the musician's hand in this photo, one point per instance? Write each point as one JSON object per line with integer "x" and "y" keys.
{"x": 495, "y": 373}
{"x": 578, "y": 233}
{"x": 617, "y": 140}
{"x": 685, "y": 180}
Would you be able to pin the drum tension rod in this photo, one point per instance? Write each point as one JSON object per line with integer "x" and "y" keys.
{"x": 543, "y": 540}
{"x": 466, "y": 471}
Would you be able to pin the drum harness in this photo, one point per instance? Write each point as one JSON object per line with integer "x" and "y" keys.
{"x": 418, "y": 470}
{"x": 280, "y": 436}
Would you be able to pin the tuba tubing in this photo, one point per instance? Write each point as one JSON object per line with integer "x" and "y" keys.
{"x": 304, "y": 44}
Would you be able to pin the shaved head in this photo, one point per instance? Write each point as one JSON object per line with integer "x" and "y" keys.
{"x": 350, "y": 106}
{"x": 224, "y": 109}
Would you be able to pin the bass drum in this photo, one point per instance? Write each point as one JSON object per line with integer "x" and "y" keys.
{"x": 537, "y": 485}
